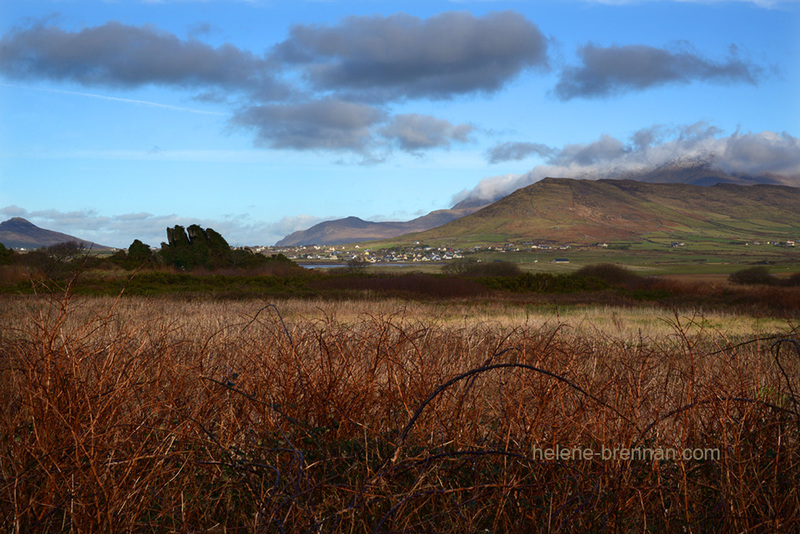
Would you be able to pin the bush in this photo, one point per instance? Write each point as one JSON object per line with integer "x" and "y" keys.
{"x": 416, "y": 285}
{"x": 545, "y": 283}
{"x": 753, "y": 276}
{"x": 610, "y": 273}
{"x": 6, "y": 255}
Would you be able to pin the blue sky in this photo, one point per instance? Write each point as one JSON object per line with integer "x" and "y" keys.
{"x": 261, "y": 117}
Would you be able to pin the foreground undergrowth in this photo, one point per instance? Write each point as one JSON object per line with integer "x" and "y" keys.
{"x": 142, "y": 415}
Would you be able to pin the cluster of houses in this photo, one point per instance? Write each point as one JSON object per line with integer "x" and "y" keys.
{"x": 422, "y": 253}
{"x": 340, "y": 254}
{"x": 410, "y": 254}
{"x": 772, "y": 243}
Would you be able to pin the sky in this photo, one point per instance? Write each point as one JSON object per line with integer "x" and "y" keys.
{"x": 261, "y": 117}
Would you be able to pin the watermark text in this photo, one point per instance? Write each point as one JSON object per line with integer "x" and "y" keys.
{"x": 647, "y": 454}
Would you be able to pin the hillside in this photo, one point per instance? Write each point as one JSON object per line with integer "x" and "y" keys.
{"x": 355, "y": 230}
{"x": 561, "y": 210}
{"x": 20, "y": 233}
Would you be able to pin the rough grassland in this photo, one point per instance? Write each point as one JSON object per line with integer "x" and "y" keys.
{"x": 156, "y": 415}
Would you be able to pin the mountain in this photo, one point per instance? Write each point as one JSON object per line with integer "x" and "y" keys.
{"x": 695, "y": 170}
{"x": 355, "y": 230}
{"x": 20, "y": 233}
{"x": 562, "y": 210}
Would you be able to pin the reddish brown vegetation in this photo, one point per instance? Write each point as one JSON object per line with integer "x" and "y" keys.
{"x": 143, "y": 416}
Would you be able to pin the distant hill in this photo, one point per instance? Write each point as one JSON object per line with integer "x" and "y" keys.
{"x": 20, "y": 233}
{"x": 562, "y": 210}
{"x": 355, "y": 230}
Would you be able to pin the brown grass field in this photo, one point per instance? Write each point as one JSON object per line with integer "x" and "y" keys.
{"x": 175, "y": 415}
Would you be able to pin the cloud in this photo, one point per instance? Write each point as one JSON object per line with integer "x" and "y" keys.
{"x": 330, "y": 87}
{"x": 123, "y": 56}
{"x": 13, "y": 211}
{"x": 401, "y": 56}
{"x": 492, "y": 188}
{"x": 604, "y": 149}
{"x": 517, "y": 151}
{"x": 328, "y": 124}
{"x": 415, "y": 132}
{"x": 333, "y": 124}
{"x": 764, "y": 154}
{"x": 607, "y": 71}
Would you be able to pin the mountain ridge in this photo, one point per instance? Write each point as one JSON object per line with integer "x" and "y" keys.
{"x": 355, "y": 230}
{"x": 686, "y": 170}
{"x": 566, "y": 210}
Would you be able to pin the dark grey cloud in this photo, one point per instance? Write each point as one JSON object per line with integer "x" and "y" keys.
{"x": 328, "y": 124}
{"x": 318, "y": 90}
{"x": 607, "y": 71}
{"x": 119, "y": 55}
{"x": 382, "y": 58}
{"x": 415, "y": 132}
{"x": 333, "y": 124}
{"x": 514, "y": 151}
{"x": 606, "y": 148}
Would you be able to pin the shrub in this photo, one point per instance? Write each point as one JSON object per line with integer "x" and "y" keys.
{"x": 545, "y": 283}
{"x": 794, "y": 280}
{"x": 609, "y": 272}
{"x": 753, "y": 276}
{"x": 6, "y": 255}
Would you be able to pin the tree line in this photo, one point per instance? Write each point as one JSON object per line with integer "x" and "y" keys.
{"x": 186, "y": 249}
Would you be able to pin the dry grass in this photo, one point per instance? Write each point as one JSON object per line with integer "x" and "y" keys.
{"x": 158, "y": 415}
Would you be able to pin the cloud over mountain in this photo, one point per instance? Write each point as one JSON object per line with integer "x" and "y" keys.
{"x": 770, "y": 155}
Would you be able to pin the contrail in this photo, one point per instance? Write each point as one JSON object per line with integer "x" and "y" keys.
{"x": 115, "y": 99}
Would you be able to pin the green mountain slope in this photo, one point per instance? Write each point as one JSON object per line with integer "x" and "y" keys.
{"x": 560, "y": 210}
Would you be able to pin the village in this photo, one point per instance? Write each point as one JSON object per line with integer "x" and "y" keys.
{"x": 418, "y": 252}
{"x": 411, "y": 254}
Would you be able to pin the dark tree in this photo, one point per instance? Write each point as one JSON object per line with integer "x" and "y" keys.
{"x": 66, "y": 252}
{"x": 195, "y": 247}
{"x": 139, "y": 253}
{"x": 6, "y": 255}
